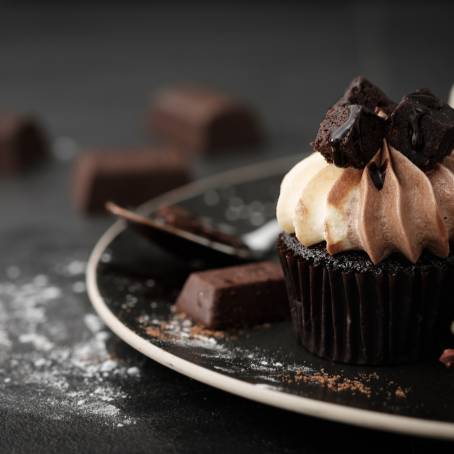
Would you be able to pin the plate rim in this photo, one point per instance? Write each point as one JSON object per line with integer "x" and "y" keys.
{"x": 265, "y": 394}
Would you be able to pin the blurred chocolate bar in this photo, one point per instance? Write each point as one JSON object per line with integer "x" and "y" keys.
{"x": 23, "y": 143}
{"x": 236, "y": 296}
{"x": 199, "y": 119}
{"x": 128, "y": 177}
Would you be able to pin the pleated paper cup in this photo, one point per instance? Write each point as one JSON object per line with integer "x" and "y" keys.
{"x": 374, "y": 316}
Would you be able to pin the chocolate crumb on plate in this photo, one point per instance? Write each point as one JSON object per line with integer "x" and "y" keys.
{"x": 336, "y": 383}
{"x": 235, "y": 296}
{"x": 400, "y": 393}
{"x": 447, "y": 357}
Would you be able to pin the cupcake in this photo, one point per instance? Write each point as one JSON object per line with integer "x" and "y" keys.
{"x": 367, "y": 220}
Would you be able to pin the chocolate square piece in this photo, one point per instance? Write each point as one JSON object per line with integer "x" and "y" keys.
{"x": 23, "y": 143}
{"x": 199, "y": 119}
{"x": 236, "y": 296}
{"x": 422, "y": 128}
{"x": 350, "y": 135}
{"x": 128, "y": 177}
{"x": 365, "y": 93}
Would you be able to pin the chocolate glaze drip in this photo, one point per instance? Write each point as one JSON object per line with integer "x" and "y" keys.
{"x": 339, "y": 133}
{"x": 350, "y": 135}
{"x": 417, "y": 135}
{"x": 377, "y": 174}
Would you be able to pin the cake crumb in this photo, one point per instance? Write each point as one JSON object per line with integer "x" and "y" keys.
{"x": 335, "y": 383}
{"x": 447, "y": 357}
{"x": 400, "y": 393}
{"x": 197, "y": 330}
{"x": 153, "y": 331}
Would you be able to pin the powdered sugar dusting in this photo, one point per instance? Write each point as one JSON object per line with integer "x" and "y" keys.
{"x": 38, "y": 352}
{"x": 226, "y": 356}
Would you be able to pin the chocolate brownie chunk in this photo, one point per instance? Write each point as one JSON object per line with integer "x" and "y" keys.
{"x": 350, "y": 135}
{"x": 236, "y": 296}
{"x": 23, "y": 143}
{"x": 127, "y": 177}
{"x": 422, "y": 128}
{"x": 200, "y": 119}
{"x": 365, "y": 93}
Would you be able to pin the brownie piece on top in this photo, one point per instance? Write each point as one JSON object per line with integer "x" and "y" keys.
{"x": 353, "y": 129}
{"x": 350, "y": 135}
{"x": 422, "y": 128}
{"x": 363, "y": 92}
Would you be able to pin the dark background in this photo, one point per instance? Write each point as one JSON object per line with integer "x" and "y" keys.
{"x": 88, "y": 69}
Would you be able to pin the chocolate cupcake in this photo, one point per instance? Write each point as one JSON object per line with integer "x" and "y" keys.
{"x": 367, "y": 230}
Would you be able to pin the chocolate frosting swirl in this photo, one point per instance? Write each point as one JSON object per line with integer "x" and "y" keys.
{"x": 389, "y": 206}
{"x": 402, "y": 216}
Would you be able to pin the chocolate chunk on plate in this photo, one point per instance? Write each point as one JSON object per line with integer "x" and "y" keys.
{"x": 127, "y": 177}
{"x": 350, "y": 135}
{"x": 23, "y": 143}
{"x": 422, "y": 128}
{"x": 200, "y": 119}
{"x": 234, "y": 297}
{"x": 447, "y": 357}
{"x": 363, "y": 92}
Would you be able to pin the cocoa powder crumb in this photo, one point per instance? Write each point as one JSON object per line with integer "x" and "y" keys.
{"x": 334, "y": 383}
{"x": 179, "y": 328}
{"x": 400, "y": 393}
{"x": 262, "y": 326}
{"x": 198, "y": 330}
{"x": 180, "y": 315}
{"x": 368, "y": 377}
{"x": 153, "y": 331}
{"x": 447, "y": 357}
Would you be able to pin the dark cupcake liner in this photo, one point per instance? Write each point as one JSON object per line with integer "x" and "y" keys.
{"x": 369, "y": 318}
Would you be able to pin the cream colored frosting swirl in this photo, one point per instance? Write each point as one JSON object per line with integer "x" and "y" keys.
{"x": 413, "y": 211}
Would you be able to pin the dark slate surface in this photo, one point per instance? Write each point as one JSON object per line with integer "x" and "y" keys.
{"x": 87, "y": 69}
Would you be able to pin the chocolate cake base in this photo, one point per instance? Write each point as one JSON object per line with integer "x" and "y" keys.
{"x": 347, "y": 309}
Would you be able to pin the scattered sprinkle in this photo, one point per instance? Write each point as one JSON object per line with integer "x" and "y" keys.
{"x": 400, "y": 393}
{"x": 79, "y": 287}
